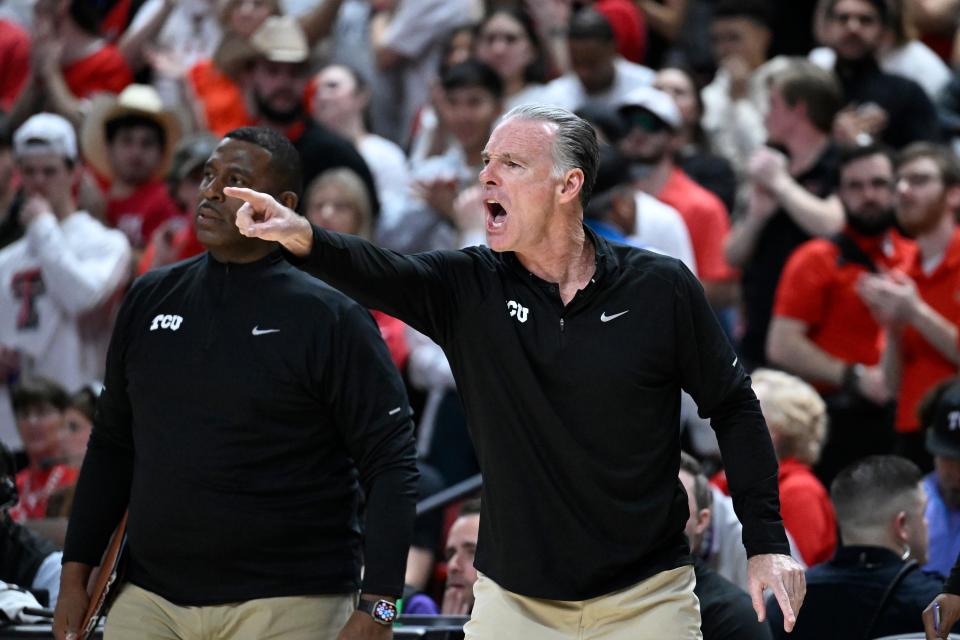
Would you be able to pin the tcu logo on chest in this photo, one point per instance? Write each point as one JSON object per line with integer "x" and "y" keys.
{"x": 517, "y": 311}
{"x": 163, "y": 321}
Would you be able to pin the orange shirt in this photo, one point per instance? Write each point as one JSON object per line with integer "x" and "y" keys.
{"x": 707, "y": 223}
{"x": 818, "y": 291}
{"x": 105, "y": 70}
{"x": 220, "y": 102}
{"x": 921, "y": 365}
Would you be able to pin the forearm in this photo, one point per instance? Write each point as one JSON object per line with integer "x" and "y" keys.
{"x": 794, "y": 352}
{"x": 819, "y": 217}
{"x": 937, "y": 330}
{"x": 28, "y": 103}
{"x": 134, "y": 40}
{"x": 391, "y": 508}
{"x": 751, "y": 469}
{"x": 405, "y": 287}
{"x": 742, "y": 240}
{"x": 103, "y": 493}
{"x": 61, "y": 99}
{"x": 318, "y": 22}
{"x": 721, "y": 293}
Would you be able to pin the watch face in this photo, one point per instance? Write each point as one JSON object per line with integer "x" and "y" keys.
{"x": 385, "y": 612}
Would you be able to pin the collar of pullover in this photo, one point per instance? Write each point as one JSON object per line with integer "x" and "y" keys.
{"x": 242, "y": 269}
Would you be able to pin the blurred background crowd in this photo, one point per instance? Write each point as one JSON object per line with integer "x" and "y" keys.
{"x": 798, "y": 156}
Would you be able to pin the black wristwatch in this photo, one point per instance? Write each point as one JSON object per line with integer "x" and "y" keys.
{"x": 851, "y": 377}
{"x": 382, "y": 611}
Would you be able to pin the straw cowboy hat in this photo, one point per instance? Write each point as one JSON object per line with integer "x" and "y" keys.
{"x": 136, "y": 100}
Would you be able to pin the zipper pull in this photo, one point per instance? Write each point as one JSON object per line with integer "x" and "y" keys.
{"x": 561, "y": 325}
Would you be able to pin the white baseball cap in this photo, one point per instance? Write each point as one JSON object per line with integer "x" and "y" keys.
{"x": 45, "y": 133}
{"x": 657, "y": 102}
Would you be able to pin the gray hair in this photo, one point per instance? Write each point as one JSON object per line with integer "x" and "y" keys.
{"x": 575, "y": 145}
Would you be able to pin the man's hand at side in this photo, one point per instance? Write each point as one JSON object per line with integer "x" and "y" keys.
{"x": 262, "y": 217}
{"x": 949, "y": 614}
{"x": 784, "y": 576}
{"x": 361, "y": 626}
{"x": 73, "y": 601}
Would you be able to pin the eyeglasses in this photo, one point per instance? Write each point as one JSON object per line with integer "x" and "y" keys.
{"x": 917, "y": 180}
{"x": 642, "y": 119}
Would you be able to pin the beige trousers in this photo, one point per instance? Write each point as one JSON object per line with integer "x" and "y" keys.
{"x": 662, "y": 607}
{"x": 138, "y": 613}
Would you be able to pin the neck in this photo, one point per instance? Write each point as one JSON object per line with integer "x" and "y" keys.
{"x": 63, "y": 209}
{"x": 872, "y": 539}
{"x": 564, "y": 255}
{"x": 513, "y": 86}
{"x": 353, "y": 128}
{"x": 474, "y": 157}
{"x": 653, "y": 182}
{"x": 244, "y": 254}
{"x": 120, "y": 189}
{"x": 804, "y": 146}
{"x": 935, "y": 242}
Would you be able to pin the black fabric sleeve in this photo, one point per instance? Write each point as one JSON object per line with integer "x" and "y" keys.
{"x": 103, "y": 489}
{"x": 952, "y": 585}
{"x": 374, "y": 418}
{"x": 415, "y": 289}
{"x": 711, "y": 373}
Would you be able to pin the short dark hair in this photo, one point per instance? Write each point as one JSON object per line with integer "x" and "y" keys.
{"x": 758, "y": 11}
{"x": 701, "y": 487}
{"x": 590, "y": 24}
{"x": 535, "y": 71}
{"x": 817, "y": 88}
{"x": 116, "y": 125}
{"x": 285, "y": 171}
{"x": 38, "y": 391}
{"x": 854, "y": 153}
{"x": 470, "y": 507}
{"x": 471, "y": 74}
{"x": 84, "y": 401}
{"x": 575, "y": 144}
{"x": 867, "y": 491}
{"x": 942, "y": 156}
{"x": 883, "y": 10}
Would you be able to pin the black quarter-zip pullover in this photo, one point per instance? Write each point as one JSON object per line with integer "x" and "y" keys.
{"x": 574, "y": 410}
{"x": 244, "y": 407}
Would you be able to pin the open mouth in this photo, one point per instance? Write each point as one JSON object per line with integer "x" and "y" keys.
{"x": 496, "y": 214}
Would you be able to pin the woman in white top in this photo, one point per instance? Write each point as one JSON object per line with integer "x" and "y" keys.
{"x": 507, "y": 41}
{"x": 340, "y": 103}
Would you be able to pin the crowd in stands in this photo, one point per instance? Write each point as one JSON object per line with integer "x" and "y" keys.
{"x": 797, "y": 156}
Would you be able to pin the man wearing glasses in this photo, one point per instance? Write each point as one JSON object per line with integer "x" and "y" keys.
{"x": 822, "y": 331}
{"x": 919, "y": 306}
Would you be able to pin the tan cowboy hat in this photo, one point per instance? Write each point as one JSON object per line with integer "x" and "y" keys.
{"x": 137, "y": 100}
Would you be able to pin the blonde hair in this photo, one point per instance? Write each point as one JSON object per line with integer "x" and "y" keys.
{"x": 795, "y": 414}
{"x": 352, "y": 185}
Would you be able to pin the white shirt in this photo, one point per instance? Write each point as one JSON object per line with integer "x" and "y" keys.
{"x": 660, "y": 227}
{"x": 391, "y": 175}
{"x": 567, "y": 91}
{"x": 73, "y": 270}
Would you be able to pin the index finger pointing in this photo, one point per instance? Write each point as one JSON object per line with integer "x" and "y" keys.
{"x": 247, "y": 195}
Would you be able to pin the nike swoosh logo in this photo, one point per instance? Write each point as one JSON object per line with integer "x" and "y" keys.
{"x": 605, "y": 318}
{"x": 257, "y": 331}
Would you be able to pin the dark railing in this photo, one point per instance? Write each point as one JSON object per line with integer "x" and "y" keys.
{"x": 450, "y": 495}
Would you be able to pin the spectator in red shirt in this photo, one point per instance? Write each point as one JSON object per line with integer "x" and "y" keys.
{"x": 128, "y": 140}
{"x": 69, "y": 62}
{"x": 14, "y": 62}
{"x": 823, "y": 332}
{"x": 797, "y": 419}
{"x": 919, "y": 306}
{"x": 39, "y": 405}
{"x": 652, "y": 120}
{"x": 176, "y": 239}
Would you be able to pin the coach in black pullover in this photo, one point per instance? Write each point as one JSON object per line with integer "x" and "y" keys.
{"x": 572, "y": 394}
{"x": 245, "y": 405}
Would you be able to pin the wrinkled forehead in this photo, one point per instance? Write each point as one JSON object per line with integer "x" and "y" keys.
{"x": 518, "y": 133}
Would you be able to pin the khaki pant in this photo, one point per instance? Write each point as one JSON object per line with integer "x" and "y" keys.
{"x": 662, "y": 607}
{"x": 138, "y": 613}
